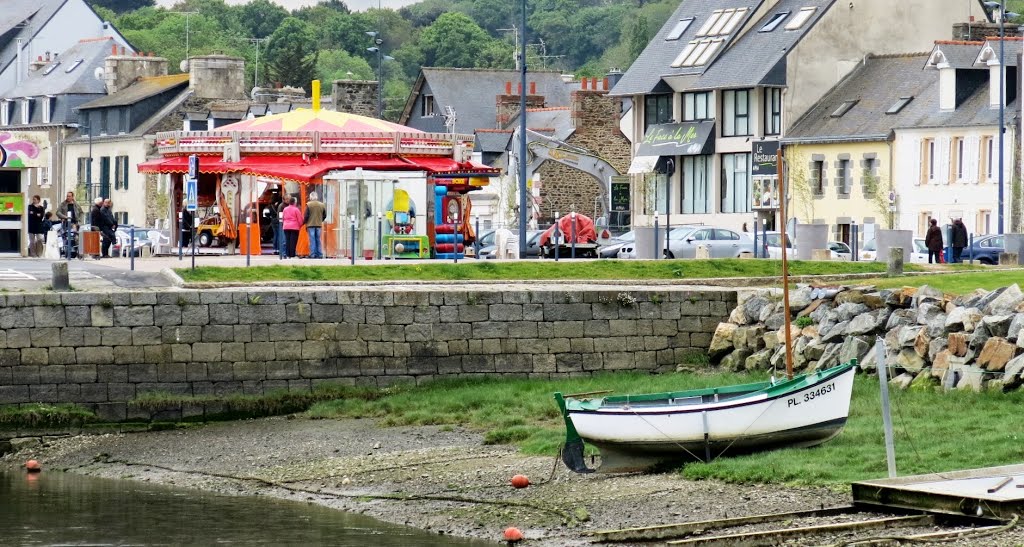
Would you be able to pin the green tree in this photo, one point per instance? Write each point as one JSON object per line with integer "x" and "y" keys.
{"x": 639, "y": 37}
{"x": 336, "y": 64}
{"x": 262, "y": 17}
{"x": 422, "y": 14}
{"x": 292, "y": 54}
{"x": 453, "y": 41}
{"x": 123, "y": 6}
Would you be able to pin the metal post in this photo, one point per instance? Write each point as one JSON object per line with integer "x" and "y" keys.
{"x": 476, "y": 240}
{"x": 970, "y": 249}
{"x": 193, "y": 242}
{"x": 883, "y": 380}
{"x": 352, "y": 232}
{"x": 1002, "y": 99}
{"x": 380, "y": 236}
{"x": 248, "y": 237}
{"x": 557, "y": 250}
{"x": 282, "y": 243}
{"x": 764, "y": 237}
{"x": 755, "y": 237}
{"x": 181, "y": 234}
{"x": 657, "y": 240}
{"x": 67, "y": 239}
{"x": 522, "y": 135}
{"x": 131, "y": 247}
{"x": 573, "y": 216}
{"x": 853, "y": 242}
{"x": 455, "y": 238}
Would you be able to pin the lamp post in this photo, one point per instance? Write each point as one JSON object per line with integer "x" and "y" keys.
{"x": 1003, "y": 14}
{"x": 378, "y": 49}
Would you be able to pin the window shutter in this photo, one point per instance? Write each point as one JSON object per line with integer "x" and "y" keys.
{"x": 916, "y": 166}
{"x": 972, "y": 155}
{"x": 942, "y": 151}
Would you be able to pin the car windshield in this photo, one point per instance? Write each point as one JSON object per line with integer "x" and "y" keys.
{"x": 628, "y": 236}
{"x": 681, "y": 232}
{"x": 774, "y": 239}
{"x": 487, "y": 238}
{"x": 919, "y": 246}
{"x": 838, "y": 246}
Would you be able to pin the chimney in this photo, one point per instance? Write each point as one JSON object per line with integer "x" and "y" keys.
{"x": 37, "y": 64}
{"x": 947, "y": 81}
{"x": 994, "y": 67}
{"x": 507, "y": 105}
{"x": 217, "y": 77}
{"x": 354, "y": 97}
{"x": 121, "y": 71}
{"x": 613, "y": 77}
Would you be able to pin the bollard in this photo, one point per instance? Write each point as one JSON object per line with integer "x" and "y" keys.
{"x": 573, "y": 234}
{"x": 131, "y": 248}
{"x": 476, "y": 240}
{"x": 764, "y": 237}
{"x": 59, "y": 276}
{"x": 380, "y": 236}
{"x": 557, "y": 250}
{"x": 895, "y": 266}
{"x": 282, "y": 246}
{"x": 248, "y": 238}
{"x": 853, "y": 243}
{"x": 970, "y": 249}
{"x": 181, "y": 235}
{"x": 193, "y": 243}
{"x": 352, "y": 231}
{"x": 755, "y": 237}
{"x": 657, "y": 240}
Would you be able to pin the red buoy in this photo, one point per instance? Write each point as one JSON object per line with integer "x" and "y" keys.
{"x": 513, "y": 535}
{"x": 32, "y": 466}
{"x": 520, "y": 481}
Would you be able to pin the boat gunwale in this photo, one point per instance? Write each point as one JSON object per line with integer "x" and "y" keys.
{"x": 824, "y": 376}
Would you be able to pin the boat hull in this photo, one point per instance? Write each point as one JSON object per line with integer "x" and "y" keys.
{"x": 634, "y": 438}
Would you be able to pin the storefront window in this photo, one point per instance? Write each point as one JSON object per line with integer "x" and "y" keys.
{"x": 736, "y": 188}
{"x": 696, "y": 195}
{"x": 657, "y": 109}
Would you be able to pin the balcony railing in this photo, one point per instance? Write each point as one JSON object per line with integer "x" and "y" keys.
{"x": 314, "y": 142}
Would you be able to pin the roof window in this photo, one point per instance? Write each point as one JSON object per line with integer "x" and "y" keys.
{"x": 774, "y": 22}
{"x": 74, "y": 65}
{"x": 843, "y": 109}
{"x": 50, "y": 68}
{"x": 706, "y": 27}
{"x": 680, "y": 28}
{"x": 801, "y": 17}
{"x": 733, "y": 22}
{"x": 698, "y": 52}
{"x": 902, "y": 102}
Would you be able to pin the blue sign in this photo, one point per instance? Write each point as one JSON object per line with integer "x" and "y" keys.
{"x": 193, "y": 166}
{"x": 191, "y": 195}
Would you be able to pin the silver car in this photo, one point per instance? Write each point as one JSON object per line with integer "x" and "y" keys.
{"x": 721, "y": 242}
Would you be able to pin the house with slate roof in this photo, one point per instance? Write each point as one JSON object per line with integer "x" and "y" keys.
{"x": 718, "y": 85}
{"x": 45, "y": 27}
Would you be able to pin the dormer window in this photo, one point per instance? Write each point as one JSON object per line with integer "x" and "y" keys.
{"x": 774, "y": 22}
{"x": 801, "y": 18}
{"x": 74, "y": 65}
{"x": 680, "y": 28}
{"x": 48, "y": 104}
{"x": 895, "y": 108}
{"x": 5, "y": 112}
{"x": 26, "y": 110}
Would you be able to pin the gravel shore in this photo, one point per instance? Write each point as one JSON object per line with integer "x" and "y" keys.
{"x": 440, "y": 479}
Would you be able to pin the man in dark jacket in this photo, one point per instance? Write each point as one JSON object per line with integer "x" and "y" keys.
{"x": 36, "y": 231}
{"x": 933, "y": 240}
{"x": 959, "y": 237}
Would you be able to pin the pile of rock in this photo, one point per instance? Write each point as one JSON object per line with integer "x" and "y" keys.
{"x": 964, "y": 342}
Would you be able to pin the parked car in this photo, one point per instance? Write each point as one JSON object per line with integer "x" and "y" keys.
{"x": 611, "y": 250}
{"x": 918, "y": 255}
{"x": 485, "y": 240}
{"x": 628, "y": 249}
{"x": 532, "y": 249}
{"x": 986, "y": 249}
{"x": 721, "y": 242}
{"x": 838, "y": 249}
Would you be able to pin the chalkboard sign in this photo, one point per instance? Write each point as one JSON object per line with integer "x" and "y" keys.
{"x": 620, "y": 194}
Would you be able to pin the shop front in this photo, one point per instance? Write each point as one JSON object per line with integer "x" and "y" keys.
{"x": 24, "y": 158}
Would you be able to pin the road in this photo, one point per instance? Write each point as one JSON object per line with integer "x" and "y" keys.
{"x": 32, "y": 274}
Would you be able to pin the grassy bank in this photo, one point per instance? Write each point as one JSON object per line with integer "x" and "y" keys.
{"x": 959, "y": 283}
{"x": 934, "y": 431}
{"x": 531, "y": 270}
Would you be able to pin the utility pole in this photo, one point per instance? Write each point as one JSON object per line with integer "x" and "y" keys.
{"x": 187, "y": 14}
{"x": 515, "y": 51}
{"x": 256, "y": 74}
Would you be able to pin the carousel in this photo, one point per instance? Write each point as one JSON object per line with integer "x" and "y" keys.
{"x": 390, "y": 191}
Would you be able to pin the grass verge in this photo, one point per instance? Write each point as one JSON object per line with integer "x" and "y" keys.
{"x": 531, "y": 270}
{"x": 931, "y": 427}
{"x": 45, "y": 416}
{"x": 959, "y": 283}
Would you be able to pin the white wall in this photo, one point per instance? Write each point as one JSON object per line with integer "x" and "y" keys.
{"x": 132, "y": 200}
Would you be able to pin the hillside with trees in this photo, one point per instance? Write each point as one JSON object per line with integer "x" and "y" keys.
{"x": 328, "y": 41}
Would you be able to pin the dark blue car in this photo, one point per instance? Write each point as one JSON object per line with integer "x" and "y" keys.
{"x": 986, "y": 250}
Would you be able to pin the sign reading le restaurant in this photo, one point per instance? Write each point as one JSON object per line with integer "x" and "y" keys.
{"x": 765, "y": 159}
{"x": 678, "y": 139}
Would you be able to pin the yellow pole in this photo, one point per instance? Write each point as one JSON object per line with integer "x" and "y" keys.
{"x": 316, "y": 95}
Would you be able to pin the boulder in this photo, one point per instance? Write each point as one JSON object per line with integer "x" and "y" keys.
{"x": 928, "y": 311}
{"x": 800, "y": 299}
{"x": 937, "y": 325}
{"x": 1013, "y": 331}
{"x": 941, "y": 363}
{"x": 926, "y": 293}
{"x": 794, "y": 333}
{"x": 921, "y": 343}
{"x": 971, "y": 378}
{"x": 749, "y": 337}
{"x": 958, "y": 343}
{"x": 998, "y": 325}
{"x": 910, "y": 361}
{"x": 874, "y": 300}
{"x": 824, "y": 312}
{"x": 935, "y": 346}
{"x": 906, "y": 336}
{"x": 864, "y": 323}
{"x": 776, "y": 321}
{"x": 853, "y": 347}
{"x": 901, "y": 317}
{"x": 752, "y": 307}
{"x": 737, "y": 317}
{"x": 851, "y": 296}
{"x": 767, "y": 311}
{"x": 972, "y": 299}
{"x": 1013, "y": 374}
{"x": 836, "y": 333}
{"x": 902, "y": 381}
{"x": 814, "y": 350}
{"x": 810, "y": 331}
{"x": 978, "y": 338}
{"x": 1006, "y": 302}
{"x": 962, "y": 319}
{"x": 721, "y": 342}
{"x": 882, "y": 317}
{"x": 996, "y": 353}
{"x": 759, "y": 361}
{"x": 736, "y": 360}
{"x": 850, "y": 310}
{"x": 830, "y": 356}
{"x": 899, "y": 298}
{"x": 771, "y": 340}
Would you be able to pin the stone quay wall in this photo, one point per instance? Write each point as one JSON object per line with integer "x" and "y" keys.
{"x": 104, "y": 350}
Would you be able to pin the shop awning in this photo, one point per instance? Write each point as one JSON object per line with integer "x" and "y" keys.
{"x": 642, "y": 164}
{"x": 678, "y": 139}
{"x": 179, "y": 164}
{"x": 448, "y": 166}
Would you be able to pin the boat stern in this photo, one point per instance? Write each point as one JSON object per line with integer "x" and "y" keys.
{"x": 572, "y": 450}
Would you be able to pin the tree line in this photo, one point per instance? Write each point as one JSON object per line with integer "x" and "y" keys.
{"x": 328, "y": 41}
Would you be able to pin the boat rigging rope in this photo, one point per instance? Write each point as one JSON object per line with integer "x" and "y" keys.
{"x": 953, "y": 536}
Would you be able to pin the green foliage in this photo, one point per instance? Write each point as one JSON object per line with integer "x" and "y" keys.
{"x": 804, "y": 321}
{"x": 262, "y": 17}
{"x": 122, "y": 6}
{"x": 639, "y": 36}
{"x": 45, "y": 415}
{"x": 336, "y": 64}
{"x": 453, "y": 41}
{"x": 275, "y": 403}
{"x": 292, "y": 53}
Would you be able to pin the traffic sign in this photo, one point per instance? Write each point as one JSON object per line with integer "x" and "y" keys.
{"x": 191, "y": 195}
{"x": 193, "y": 167}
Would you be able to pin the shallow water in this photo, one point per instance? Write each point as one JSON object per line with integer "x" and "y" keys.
{"x": 53, "y": 508}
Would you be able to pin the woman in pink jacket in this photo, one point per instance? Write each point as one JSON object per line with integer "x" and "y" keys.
{"x": 291, "y": 222}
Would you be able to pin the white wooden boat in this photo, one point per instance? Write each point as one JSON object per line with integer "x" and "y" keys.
{"x": 636, "y": 432}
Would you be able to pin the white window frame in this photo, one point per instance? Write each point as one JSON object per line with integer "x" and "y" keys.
{"x": 680, "y": 29}
{"x": 706, "y": 27}
{"x": 26, "y": 110}
{"x": 730, "y": 114}
{"x": 5, "y": 111}
{"x": 48, "y": 104}
{"x": 801, "y": 18}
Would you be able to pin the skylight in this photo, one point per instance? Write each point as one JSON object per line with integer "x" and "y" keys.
{"x": 50, "y": 68}
{"x": 706, "y": 27}
{"x": 706, "y": 55}
{"x": 724, "y": 19}
{"x": 680, "y": 28}
{"x": 698, "y": 52}
{"x": 895, "y": 108}
{"x": 74, "y": 65}
{"x": 843, "y": 109}
{"x": 774, "y": 22}
{"x": 801, "y": 17}
{"x": 734, "y": 21}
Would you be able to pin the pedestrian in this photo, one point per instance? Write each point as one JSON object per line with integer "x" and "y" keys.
{"x": 959, "y": 240}
{"x": 282, "y": 241}
{"x": 291, "y": 219}
{"x": 314, "y": 218}
{"x": 110, "y": 221}
{"x": 933, "y": 240}
{"x": 47, "y": 225}
{"x": 36, "y": 229}
{"x": 70, "y": 210}
{"x": 185, "y": 229}
{"x": 102, "y": 223}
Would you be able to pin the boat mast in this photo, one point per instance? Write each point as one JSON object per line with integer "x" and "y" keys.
{"x": 785, "y": 265}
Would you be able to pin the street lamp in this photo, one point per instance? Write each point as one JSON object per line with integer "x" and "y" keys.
{"x": 88, "y": 166}
{"x": 1003, "y": 14}
{"x": 377, "y": 48}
